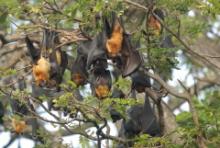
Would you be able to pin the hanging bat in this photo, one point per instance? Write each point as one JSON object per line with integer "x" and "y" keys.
{"x": 49, "y": 62}
{"x": 115, "y": 37}
{"x": 153, "y": 22}
{"x": 141, "y": 119}
{"x": 119, "y": 47}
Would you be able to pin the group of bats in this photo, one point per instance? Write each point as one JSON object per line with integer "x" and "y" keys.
{"x": 113, "y": 44}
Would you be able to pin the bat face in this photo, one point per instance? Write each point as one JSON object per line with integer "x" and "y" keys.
{"x": 102, "y": 83}
{"x": 102, "y": 90}
{"x": 78, "y": 72}
{"x": 114, "y": 43}
{"x": 41, "y": 71}
{"x": 78, "y": 79}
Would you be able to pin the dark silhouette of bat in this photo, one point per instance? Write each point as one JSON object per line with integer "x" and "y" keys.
{"x": 101, "y": 82}
{"x": 141, "y": 119}
{"x": 79, "y": 73}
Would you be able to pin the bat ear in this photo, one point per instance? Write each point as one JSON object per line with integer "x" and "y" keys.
{"x": 117, "y": 20}
{"x": 159, "y": 13}
{"x": 133, "y": 60}
{"x": 50, "y": 39}
{"x": 107, "y": 28}
{"x": 34, "y": 52}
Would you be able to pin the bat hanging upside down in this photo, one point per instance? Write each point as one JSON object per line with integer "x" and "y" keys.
{"x": 49, "y": 62}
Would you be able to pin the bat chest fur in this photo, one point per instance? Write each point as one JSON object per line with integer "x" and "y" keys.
{"x": 114, "y": 44}
{"x": 18, "y": 126}
{"x": 41, "y": 70}
{"x": 78, "y": 79}
{"x": 102, "y": 91}
{"x": 154, "y": 24}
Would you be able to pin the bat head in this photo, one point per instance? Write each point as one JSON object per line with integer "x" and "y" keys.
{"x": 78, "y": 72}
{"x": 101, "y": 82}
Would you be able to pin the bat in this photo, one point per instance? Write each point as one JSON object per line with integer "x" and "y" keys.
{"x": 119, "y": 47}
{"x": 49, "y": 62}
{"x": 153, "y": 22}
{"x": 141, "y": 119}
{"x": 114, "y": 42}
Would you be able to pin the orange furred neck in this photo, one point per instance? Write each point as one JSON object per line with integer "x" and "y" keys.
{"x": 114, "y": 44}
{"x": 154, "y": 24}
{"x": 18, "y": 126}
{"x": 102, "y": 91}
{"x": 77, "y": 78}
{"x": 41, "y": 70}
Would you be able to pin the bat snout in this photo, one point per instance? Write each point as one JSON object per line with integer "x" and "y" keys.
{"x": 42, "y": 83}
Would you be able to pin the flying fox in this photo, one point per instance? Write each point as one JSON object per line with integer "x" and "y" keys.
{"x": 153, "y": 23}
{"x": 49, "y": 62}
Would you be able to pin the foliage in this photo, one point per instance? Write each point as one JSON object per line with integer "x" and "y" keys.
{"x": 86, "y": 15}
